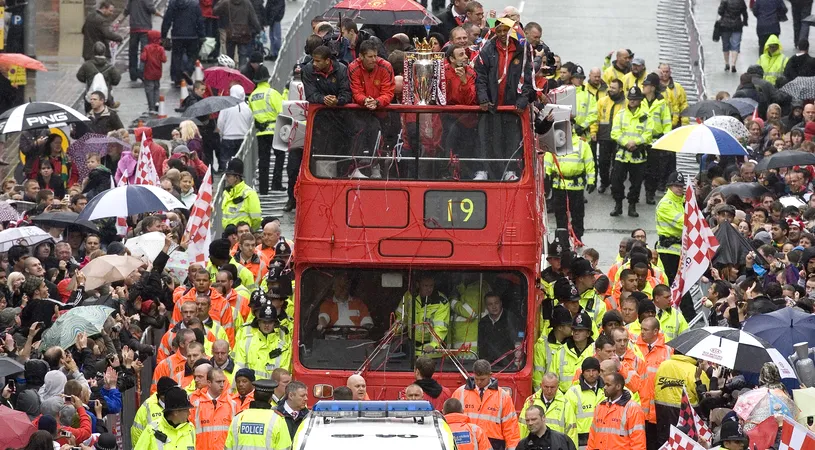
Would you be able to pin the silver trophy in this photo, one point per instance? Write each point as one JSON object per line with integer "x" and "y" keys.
{"x": 423, "y": 69}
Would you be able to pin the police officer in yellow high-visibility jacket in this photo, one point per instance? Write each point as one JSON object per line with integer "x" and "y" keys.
{"x": 266, "y": 103}
{"x": 619, "y": 68}
{"x": 671, "y": 321}
{"x": 660, "y": 113}
{"x": 670, "y": 219}
{"x": 570, "y": 175}
{"x": 465, "y": 312}
{"x": 559, "y": 416}
{"x": 171, "y": 431}
{"x": 772, "y": 60}
{"x": 240, "y": 203}
{"x": 428, "y": 309}
{"x": 632, "y": 131}
{"x": 583, "y": 275}
{"x": 674, "y": 94}
{"x": 585, "y": 113}
{"x": 584, "y": 396}
{"x": 151, "y": 410}
{"x": 575, "y": 349}
{"x": 637, "y": 74}
{"x": 607, "y": 108}
{"x": 549, "y": 344}
{"x": 262, "y": 345}
{"x": 260, "y": 426}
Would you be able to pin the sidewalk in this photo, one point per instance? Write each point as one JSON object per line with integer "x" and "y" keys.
{"x": 716, "y": 79}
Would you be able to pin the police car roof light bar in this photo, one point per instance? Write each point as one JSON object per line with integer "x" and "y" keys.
{"x": 372, "y": 409}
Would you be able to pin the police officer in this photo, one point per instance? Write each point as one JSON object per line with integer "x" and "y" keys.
{"x": 151, "y": 410}
{"x": 266, "y": 103}
{"x": 240, "y": 203}
{"x": 585, "y": 114}
{"x": 573, "y": 172}
{"x": 575, "y": 349}
{"x": 558, "y": 416}
{"x": 427, "y": 308}
{"x": 583, "y": 397}
{"x": 263, "y": 345}
{"x": 670, "y": 219}
{"x": 172, "y": 431}
{"x": 583, "y": 275}
{"x": 607, "y": 109}
{"x": 660, "y": 112}
{"x": 632, "y": 131}
{"x": 259, "y": 426}
{"x": 549, "y": 344}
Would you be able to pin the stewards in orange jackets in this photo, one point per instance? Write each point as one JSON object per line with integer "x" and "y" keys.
{"x": 618, "y": 420}
{"x": 490, "y": 407}
{"x": 244, "y": 389}
{"x": 651, "y": 345}
{"x": 174, "y": 365}
{"x": 212, "y": 413}
{"x": 468, "y": 436}
{"x": 632, "y": 365}
{"x": 220, "y": 310}
{"x": 248, "y": 257}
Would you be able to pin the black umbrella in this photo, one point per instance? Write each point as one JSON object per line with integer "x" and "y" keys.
{"x": 163, "y": 128}
{"x": 802, "y": 88}
{"x": 745, "y": 105}
{"x": 63, "y": 219}
{"x": 37, "y": 115}
{"x": 743, "y": 190}
{"x": 9, "y": 366}
{"x": 733, "y": 247}
{"x": 211, "y": 105}
{"x": 786, "y": 158}
{"x": 709, "y": 108}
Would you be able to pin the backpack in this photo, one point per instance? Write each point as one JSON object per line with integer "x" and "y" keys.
{"x": 97, "y": 83}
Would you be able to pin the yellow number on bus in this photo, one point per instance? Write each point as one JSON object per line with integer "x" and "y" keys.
{"x": 467, "y": 208}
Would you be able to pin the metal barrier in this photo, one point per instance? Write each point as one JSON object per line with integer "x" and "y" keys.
{"x": 248, "y": 153}
{"x": 697, "y": 52}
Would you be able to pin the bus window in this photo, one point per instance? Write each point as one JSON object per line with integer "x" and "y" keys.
{"x": 344, "y": 315}
{"x": 397, "y": 145}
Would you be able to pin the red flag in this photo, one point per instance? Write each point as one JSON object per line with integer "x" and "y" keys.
{"x": 763, "y": 435}
{"x": 795, "y": 436}
{"x": 200, "y": 219}
{"x": 678, "y": 440}
{"x": 145, "y": 168}
{"x": 699, "y": 244}
{"x": 688, "y": 417}
{"x": 121, "y": 222}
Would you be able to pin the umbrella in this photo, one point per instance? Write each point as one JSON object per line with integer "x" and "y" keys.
{"x": 163, "y": 128}
{"x": 730, "y": 347}
{"x": 129, "y": 200}
{"x": 62, "y": 219}
{"x": 783, "y": 328}
{"x": 18, "y": 428}
{"x": 81, "y": 148}
{"x": 760, "y": 403}
{"x": 745, "y": 105}
{"x": 709, "y": 108}
{"x": 730, "y": 124}
{"x": 786, "y": 158}
{"x": 148, "y": 245}
{"x": 222, "y": 77}
{"x": 742, "y": 189}
{"x": 27, "y": 236}
{"x": 36, "y": 115}
{"x": 211, "y": 105}
{"x": 733, "y": 247}
{"x": 382, "y": 12}
{"x": 178, "y": 264}
{"x": 24, "y": 61}
{"x": 10, "y": 366}
{"x": 109, "y": 269}
{"x": 802, "y": 88}
{"x": 700, "y": 139}
{"x": 8, "y": 213}
{"x": 100, "y": 139}
{"x": 80, "y": 319}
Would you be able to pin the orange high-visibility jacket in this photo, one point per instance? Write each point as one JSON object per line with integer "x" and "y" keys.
{"x": 211, "y": 418}
{"x": 467, "y": 436}
{"x": 617, "y": 424}
{"x": 219, "y": 310}
{"x": 243, "y": 404}
{"x": 494, "y": 412}
{"x": 653, "y": 358}
{"x": 172, "y": 367}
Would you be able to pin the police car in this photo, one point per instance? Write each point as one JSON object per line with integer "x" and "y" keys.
{"x": 374, "y": 425}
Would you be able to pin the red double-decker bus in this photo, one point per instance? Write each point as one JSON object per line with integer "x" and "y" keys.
{"x": 442, "y": 203}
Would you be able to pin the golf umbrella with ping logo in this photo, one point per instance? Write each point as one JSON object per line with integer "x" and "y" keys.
{"x": 37, "y": 115}
{"x": 732, "y": 348}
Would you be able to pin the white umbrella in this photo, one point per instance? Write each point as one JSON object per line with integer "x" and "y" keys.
{"x": 36, "y": 115}
{"x": 148, "y": 245}
{"x": 730, "y": 124}
{"x": 27, "y": 236}
{"x": 129, "y": 200}
{"x": 108, "y": 269}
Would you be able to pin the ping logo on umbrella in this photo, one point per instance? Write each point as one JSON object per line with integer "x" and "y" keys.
{"x": 57, "y": 117}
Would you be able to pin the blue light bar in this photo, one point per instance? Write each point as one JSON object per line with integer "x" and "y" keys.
{"x": 410, "y": 405}
{"x": 372, "y": 409}
{"x": 336, "y": 406}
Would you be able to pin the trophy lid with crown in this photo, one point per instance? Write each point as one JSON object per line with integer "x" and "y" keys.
{"x": 424, "y": 75}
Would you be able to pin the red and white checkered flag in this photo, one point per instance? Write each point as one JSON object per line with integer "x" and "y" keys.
{"x": 680, "y": 441}
{"x": 200, "y": 220}
{"x": 687, "y": 414}
{"x": 795, "y": 436}
{"x": 121, "y": 222}
{"x": 699, "y": 244}
{"x": 145, "y": 169}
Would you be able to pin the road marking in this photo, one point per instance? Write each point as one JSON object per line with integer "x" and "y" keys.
{"x": 521, "y": 6}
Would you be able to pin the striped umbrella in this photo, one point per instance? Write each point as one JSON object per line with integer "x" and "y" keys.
{"x": 700, "y": 140}
{"x": 81, "y": 319}
{"x": 129, "y": 200}
{"x": 36, "y": 115}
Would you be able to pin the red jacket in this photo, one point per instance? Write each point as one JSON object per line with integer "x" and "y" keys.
{"x": 156, "y": 151}
{"x": 153, "y": 55}
{"x": 377, "y": 83}
{"x": 81, "y": 434}
{"x": 206, "y": 9}
{"x": 458, "y": 92}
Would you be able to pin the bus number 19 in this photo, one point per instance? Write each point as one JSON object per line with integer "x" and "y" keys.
{"x": 466, "y": 206}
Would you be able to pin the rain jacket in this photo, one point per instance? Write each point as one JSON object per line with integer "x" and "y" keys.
{"x": 127, "y": 165}
{"x": 153, "y": 56}
{"x": 185, "y": 19}
{"x": 773, "y": 64}
{"x": 489, "y": 74}
{"x": 317, "y": 84}
{"x": 617, "y": 424}
{"x": 156, "y": 151}
{"x": 377, "y": 83}
{"x": 98, "y": 64}
{"x": 767, "y": 13}
{"x": 492, "y": 410}
{"x": 97, "y": 29}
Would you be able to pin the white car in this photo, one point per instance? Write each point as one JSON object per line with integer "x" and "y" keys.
{"x": 373, "y": 425}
